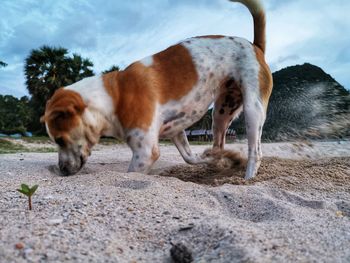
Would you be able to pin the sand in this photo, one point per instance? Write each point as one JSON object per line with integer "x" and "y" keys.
{"x": 296, "y": 210}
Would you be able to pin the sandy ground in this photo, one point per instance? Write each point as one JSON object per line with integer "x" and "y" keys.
{"x": 296, "y": 210}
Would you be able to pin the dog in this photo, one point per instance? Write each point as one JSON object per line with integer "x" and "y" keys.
{"x": 162, "y": 95}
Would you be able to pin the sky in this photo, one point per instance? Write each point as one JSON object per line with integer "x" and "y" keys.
{"x": 118, "y": 32}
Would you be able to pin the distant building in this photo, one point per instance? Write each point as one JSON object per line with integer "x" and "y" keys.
{"x": 207, "y": 135}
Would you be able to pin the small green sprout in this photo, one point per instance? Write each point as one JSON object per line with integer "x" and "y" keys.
{"x": 26, "y": 190}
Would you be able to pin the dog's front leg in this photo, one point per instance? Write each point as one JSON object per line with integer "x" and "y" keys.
{"x": 181, "y": 143}
{"x": 145, "y": 152}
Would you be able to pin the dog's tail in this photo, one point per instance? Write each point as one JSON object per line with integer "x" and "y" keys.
{"x": 257, "y": 10}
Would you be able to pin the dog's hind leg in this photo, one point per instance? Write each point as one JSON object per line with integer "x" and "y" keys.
{"x": 256, "y": 89}
{"x": 227, "y": 107}
{"x": 254, "y": 113}
{"x": 181, "y": 143}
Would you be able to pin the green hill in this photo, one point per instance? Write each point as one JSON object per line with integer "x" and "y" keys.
{"x": 307, "y": 102}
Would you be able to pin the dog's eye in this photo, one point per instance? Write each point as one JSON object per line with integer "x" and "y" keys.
{"x": 60, "y": 141}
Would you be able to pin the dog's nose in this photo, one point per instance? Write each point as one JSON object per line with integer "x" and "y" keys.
{"x": 64, "y": 169}
{"x": 82, "y": 161}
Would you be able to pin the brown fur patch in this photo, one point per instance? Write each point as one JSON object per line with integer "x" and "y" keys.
{"x": 265, "y": 77}
{"x": 228, "y": 102}
{"x": 110, "y": 82}
{"x": 137, "y": 97}
{"x": 175, "y": 73}
{"x": 63, "y": 111}
{"x": 230, "y": 94}
{"x": 259, "y": 30}
{"x": 137, "y": 89}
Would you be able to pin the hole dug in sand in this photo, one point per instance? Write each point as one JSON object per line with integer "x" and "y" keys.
{"x": 53, "y": 169}
{"x": 327, "y": 174}
{"x": 222, "y": 164}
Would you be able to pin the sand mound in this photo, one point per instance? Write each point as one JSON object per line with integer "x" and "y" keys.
{"x": 224, "y": 159}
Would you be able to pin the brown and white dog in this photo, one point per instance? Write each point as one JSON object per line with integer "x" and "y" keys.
{"x": 162, "y": 95}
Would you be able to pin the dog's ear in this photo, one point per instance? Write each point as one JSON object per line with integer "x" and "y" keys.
{"x": 64, "y": 110}
{"x": 63, "y": 118}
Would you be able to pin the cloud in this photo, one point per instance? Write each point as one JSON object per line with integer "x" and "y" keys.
{"x": 11, "y": 80}
{"x": 310, "y": 31}
{"x": 120, "y": 32}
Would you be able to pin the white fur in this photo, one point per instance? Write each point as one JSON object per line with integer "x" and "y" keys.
{"x": 94, "y": 94}
{"x": 48, "y": 131}
{"x": 142, "y": 156}
{"x": 100, "y": 107}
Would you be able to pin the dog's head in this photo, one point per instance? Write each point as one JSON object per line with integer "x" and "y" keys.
{"x": 64, "y": 120}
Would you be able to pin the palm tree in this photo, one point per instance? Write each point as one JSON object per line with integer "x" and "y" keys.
{"x": 2, "y": 64}
{"x": 112, "y": 68}
{"x": 80, "y": 68}
{"x": 205, "y": 122}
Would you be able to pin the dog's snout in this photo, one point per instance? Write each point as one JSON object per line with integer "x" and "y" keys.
{"x": 64, "y": 169}
{"x": 82, "y": 161}
{"x": 71, "y": 166}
